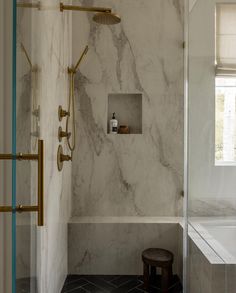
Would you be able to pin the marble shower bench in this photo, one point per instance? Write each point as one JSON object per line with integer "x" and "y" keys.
{"x": 113, "y": 245}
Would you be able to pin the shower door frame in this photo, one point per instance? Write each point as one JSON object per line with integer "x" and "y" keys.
{"x": 5, "y": 137}
{"x": 186, "y": 146}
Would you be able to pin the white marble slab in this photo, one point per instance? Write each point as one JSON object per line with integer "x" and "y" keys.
{"x": 114, "y": 248}
{"x": 132, "y": 175}
{"x": 51, "y": 52}
{"x": 125, "y": 220}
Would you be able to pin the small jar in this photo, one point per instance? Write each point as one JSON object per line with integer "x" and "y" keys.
{"x": 124, "y": 129}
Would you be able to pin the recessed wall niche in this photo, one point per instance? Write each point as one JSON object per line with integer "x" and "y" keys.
{"x": 128, "y": 109}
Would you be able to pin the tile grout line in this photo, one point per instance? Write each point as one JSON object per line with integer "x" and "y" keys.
{"x": 97, "y": 286}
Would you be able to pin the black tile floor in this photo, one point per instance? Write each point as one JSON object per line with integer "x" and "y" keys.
{"x": 114, "y": 284}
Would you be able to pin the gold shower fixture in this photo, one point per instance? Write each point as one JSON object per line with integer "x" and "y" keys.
{"x": 61, "y": 158}
{"x": 62, "y": 113}
{"x": 29, "y": 5}
{"x": 70, "y": 113}
{"x": 103, "y": 15}
{"x": 62, "y": 134}
{"x": 75, "y": 69}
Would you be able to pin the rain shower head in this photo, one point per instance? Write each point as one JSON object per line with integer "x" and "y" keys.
{"x": 102, "y": 15}
{"x": 107, "y": 18}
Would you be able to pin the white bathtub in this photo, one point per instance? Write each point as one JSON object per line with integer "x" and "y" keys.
{"x": 219, "y": 234}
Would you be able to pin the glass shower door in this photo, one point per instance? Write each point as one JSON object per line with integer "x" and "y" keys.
{"x": 211, "y": 144}
{"x": 5, "y": 145}
{"x": 21, "y": 158}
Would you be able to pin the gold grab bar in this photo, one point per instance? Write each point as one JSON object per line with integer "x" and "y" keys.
{"x": 40, "y": 207}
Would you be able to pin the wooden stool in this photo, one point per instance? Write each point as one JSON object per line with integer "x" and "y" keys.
{"x": 161, "y": 258}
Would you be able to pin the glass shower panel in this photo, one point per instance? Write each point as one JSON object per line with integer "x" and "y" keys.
{"x": 26, "y": 131}
{"x": 211, "y": 147}
{"x": 5, "y": 144}
{"x": 21, "y": 151}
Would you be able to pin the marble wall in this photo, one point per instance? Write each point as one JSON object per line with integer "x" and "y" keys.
{"x": 113, "y": 245}
{"x": 51, "y": 52}
{"x": 132, "y": 175}
{"x": 46, "y": 36}
{"x": 202, "y": 275}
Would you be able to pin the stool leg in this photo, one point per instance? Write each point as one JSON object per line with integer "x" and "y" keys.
{"x": 146, "y": 276}
{"x": 153, "y": 271}
{"x": 153, "y": 274}
{"x": 165, "y": 280}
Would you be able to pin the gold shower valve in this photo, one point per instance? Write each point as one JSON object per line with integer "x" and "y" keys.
{"x": 71, "y": 70}
{"x": 61, "y": 158}
{"x": 62, "y": 113}
{"x": 62, "y": 134}
{"x": 65, "y": 158}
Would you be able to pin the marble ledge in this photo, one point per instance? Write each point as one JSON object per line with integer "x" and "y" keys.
{"x": 125, "y": 220}
{"x": 203, "y": 246}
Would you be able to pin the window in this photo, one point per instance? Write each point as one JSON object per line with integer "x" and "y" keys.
{"x": 225, "y": 135}
{"x": 225, "y": 85}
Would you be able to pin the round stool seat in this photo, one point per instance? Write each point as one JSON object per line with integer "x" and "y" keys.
{"x": 157, "y": 257}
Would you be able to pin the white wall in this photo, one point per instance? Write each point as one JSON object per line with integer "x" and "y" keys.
{"x": 211, "y": 188}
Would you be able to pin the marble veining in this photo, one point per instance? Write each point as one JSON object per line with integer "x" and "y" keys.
{"x": 51, "y": 52}
{"x": 136, "y": 175}
{"x": 116, "y": 247}
{"x": 212, "y": 207}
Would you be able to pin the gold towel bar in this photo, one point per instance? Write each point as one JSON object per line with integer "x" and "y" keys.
{"x": 40, "y": 158}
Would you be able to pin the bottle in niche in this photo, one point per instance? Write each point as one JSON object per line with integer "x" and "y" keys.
{"x": 114, "y": 124}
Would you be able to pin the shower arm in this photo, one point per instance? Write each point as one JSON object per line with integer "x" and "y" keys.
{"x": 81, "y": 8}
{"x": 74, "y": 69}
{"x": 26, "y": 55}
{"x": 33, "y": 68}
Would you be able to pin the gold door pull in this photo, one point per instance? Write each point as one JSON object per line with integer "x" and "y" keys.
{"x": 40, "y": 207}
{"x": 19, "y": 209}
{"x": 19, "y": 156}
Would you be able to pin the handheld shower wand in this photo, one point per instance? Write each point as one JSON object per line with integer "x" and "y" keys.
{"x": 71, "y": 107}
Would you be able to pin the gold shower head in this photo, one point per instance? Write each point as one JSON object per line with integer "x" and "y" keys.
{"x": 107, "y": 18}
{"x": 103, "y": 15}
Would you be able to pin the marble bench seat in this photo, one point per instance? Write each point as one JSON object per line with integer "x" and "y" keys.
{"x": 113, "y": 245}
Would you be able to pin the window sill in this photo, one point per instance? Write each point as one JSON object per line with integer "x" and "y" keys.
{"x": 225, "y": 164}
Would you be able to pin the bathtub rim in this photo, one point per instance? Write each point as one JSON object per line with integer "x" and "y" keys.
{"x": 211, "y": 247}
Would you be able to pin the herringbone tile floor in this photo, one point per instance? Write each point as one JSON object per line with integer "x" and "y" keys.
{"x": 113, "y": 284}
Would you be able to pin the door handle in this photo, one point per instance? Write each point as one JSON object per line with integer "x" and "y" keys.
{"x": 29, "y": 157}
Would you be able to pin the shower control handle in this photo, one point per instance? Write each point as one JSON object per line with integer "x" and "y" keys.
{"x": 61, "y": 158}
{"x": 62, "y": 134}
{"x": 65, "y": 158}
{"x": 62, "y": 113}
